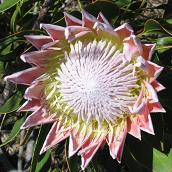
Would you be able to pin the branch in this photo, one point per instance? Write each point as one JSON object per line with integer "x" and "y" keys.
{"x": 43, "y": 12}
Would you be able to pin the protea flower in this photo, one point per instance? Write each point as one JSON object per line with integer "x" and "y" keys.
{"x": 93, "y": 82}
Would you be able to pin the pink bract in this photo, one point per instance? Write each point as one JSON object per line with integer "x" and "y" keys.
{"x": 93, "y": 82}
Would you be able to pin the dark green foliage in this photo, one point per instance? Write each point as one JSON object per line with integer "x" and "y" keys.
{"x": 152, "y": 24}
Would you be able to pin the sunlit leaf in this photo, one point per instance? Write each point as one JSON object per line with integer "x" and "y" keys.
{"x": 14, "y": 18}
{"x": 163, "y": 44}
{"x": 164, "y": 41}
{"x": 43, "y": 162}
{"x": 161, "y": 161}
{"x": 8, "y": 4}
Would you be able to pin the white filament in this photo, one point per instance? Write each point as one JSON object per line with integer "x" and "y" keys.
{"x": 96, "y": 82}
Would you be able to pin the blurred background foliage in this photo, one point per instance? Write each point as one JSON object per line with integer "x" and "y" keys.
{"x": 19, "y": 150}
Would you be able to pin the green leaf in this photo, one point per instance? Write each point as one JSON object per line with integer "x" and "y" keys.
{"x": 13, "y": 21}
{"x": 43, "y": 131}
{"x": 43, "y": 162}
{"x": 8, "y": 4}
{"x": 162, "y": 162}
{"x": 154, "y": 27}
{"x": 164, "y": 44}
{"x": 169, "y": 21}
{"x": 165, "y": 41}
{"x": 14, "y": 132}
{"x": 12, "y": 104}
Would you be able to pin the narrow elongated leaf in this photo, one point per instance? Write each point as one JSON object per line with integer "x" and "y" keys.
{"x": 43, "y": 162}
{"x": 8, "y": 4}
{"x": 14, "y": 18}
{"x": 14, "y": 132}
{"x": 165, "y": 41}
{"x": 11, "y": 104}
{"x": 43, "y": 131}
{"x": 161, "y": 161}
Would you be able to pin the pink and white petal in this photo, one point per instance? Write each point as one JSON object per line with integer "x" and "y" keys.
{"x": 157, "y": 86}
{"x": 73, "y": 30}
{"x": 124, "y": 31}
{"x": 78, "y": 35}
{"x": 88, "y": 20}
{"x": 38, "y": 40}
{"x": 55, "y": 45}
{"x": 140, "y": 109}
{"x": 121, "y": 147}
{"x": 146, "y": 124}
{"x": 56, "y": 32}
{"x": 71, "y": 20}
{"x": 90, "y": 148}
{"x": 37, "y": 118}
{"x": 77, "y": 139}
{"x": 103, "y": 19}
{"x": 91, "y": 143}
{"x": 132, "y": 46}
{"x": 140, "y": 104}
{"x": 30, "y": 105}
{"x": 156, "y": 107}
{"x": 27, "y": 76}
{"x": 54, "y": 136}
{"x": 133, "y": 128}
{"x": 105, "y": 28}
{"x": 38, "y": 58}
{"x": 148, "y": 50}
{"x": 88, "y": 155}
{"x": 153, "y": 70}
{"x": 117, "y": 143}
{"x": 35, "y": 91}
{"x": 152, "y": 94}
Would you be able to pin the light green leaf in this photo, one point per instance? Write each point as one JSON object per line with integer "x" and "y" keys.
{"x": 14, "y": 132}
{"x": 8, "y": 4}
{"x": 161, "y": 161}
{"x": 12, "y": 104}
{"x": 165, "y": 41}
{"x": 13, "y": 21}
{"x": 43, "y": 161}
{"x": 169, "y": 20}
{"x": 163, "y": 44}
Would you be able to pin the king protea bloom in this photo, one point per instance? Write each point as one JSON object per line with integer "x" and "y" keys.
{"x": 93, "y": 82}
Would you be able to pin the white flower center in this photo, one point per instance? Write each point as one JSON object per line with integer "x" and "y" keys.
{"x": 96, "y": 82}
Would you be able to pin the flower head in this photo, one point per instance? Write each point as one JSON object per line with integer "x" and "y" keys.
{"x": 93, "y": 82}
